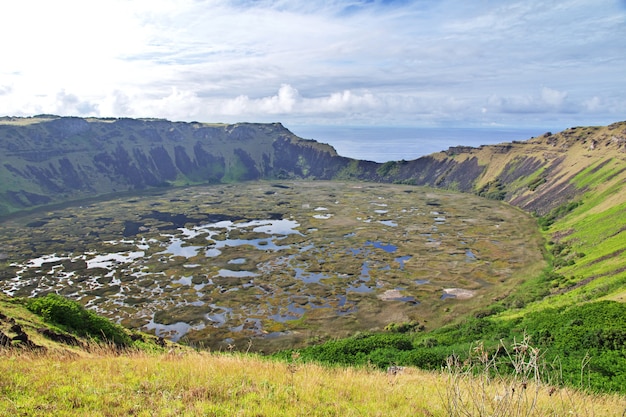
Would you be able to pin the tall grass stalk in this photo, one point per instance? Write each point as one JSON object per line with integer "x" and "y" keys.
{"x": 187, "y": 383}
{"x": 512, "y": 382}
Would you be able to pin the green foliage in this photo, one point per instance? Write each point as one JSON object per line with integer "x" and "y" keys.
{"x": 533, "y": 289}
{"x": 548, "y": 220}
{"x": 74, "y": 317}
{"x": 534, "y": 184}
{"x": 564, "y": 255}
{"x": 493, "y": 190}
{"x": 592, "y": 334}
{"x": 432, "y": 358}
{"x": 407, "y": 181}
{"x": 211, "y": 174}
{"x": 352, "y": 171}
{"x": 237, "y": 171}
{"x": 405, "y": 327}
{"x": 588, "y": 339}
{"x": 380, "y": 350}
{"x": 387, "y": 168}
{"x": 600, "y": 325}
{"x": 303, "y": 165}
{"x": 585, "y": 344}
{"x": 598, "y": 173}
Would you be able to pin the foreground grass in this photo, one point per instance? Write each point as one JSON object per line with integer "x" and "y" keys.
{"x": 227, "y": 385}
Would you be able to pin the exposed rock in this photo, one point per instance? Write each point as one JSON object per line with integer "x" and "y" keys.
{"x": 390, "y": 295}
{"x": 5, "y": 341}
{"x": 60, "y": 337}
{"x": 459, "y": 293}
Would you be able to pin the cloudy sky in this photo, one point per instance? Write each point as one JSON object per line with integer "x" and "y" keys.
{"x": 323, "y": 62}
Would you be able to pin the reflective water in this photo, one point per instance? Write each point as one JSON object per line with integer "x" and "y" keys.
{"x": 227, "y": 273}
{"x": 176, "y": 248}
{"x": 173, "y": 331}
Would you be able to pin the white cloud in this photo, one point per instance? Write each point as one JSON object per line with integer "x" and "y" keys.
{"x": 283, "y": 102}
{"x": 288, "y": 101}
{"x": 5, "y": 89}
{"x": 594, "y": 104}
{"x": 553, "y": 98}
{"x": 545, "y": 100}
{"x": 70, "y": 104}
{"x": 331, "y": 61}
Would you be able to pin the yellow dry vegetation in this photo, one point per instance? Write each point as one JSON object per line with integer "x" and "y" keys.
{"x": 204, "y": 384}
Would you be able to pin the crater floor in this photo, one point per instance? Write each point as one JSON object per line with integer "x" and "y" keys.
{"x": 275, "y": 263}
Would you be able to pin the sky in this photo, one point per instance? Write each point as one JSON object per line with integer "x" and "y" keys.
{"x": 423, "y": 63}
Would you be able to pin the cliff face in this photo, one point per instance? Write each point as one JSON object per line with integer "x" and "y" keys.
{"x": 51, "y": 159}
{"x": 537, "y": 175}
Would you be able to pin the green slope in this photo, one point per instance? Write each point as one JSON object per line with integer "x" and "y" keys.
{"x": 574, "y": 312}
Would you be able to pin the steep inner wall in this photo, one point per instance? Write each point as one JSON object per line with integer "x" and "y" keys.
{"x": 54, "y": 159}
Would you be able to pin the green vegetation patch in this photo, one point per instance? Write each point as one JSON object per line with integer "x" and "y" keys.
{"x": 582, "y": 346}
{"x": 548, "y": 220}
{"x": 598, "y": 173}
{"x": 75, "y": 318}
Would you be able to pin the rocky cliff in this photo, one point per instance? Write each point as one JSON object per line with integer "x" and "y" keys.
{"x": 50, "y": 159}
{"x": 537, "y": 175}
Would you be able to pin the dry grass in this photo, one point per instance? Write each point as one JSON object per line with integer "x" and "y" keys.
{"x": 481, "y": 386}
{"x": 238, "y": 385}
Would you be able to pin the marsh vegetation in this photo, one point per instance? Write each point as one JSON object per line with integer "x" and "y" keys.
{"x": 283, "y": 263}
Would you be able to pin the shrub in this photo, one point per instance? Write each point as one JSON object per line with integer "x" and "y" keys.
{"x": 405, "y": 327}
{"x": 386, "y": 168}
{"x": 546, "y": 221}
{"x": 426, "y": 358}
{"x": 378, "y": 349}
{"x": 532, "y": 186}
{"x": 493, "y": 190}
{"x": 74, "y": 317}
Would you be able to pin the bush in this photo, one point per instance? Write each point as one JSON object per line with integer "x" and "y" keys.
{"x": 532, "y": 186}
{"x": 493, "y": 190}
{"x": 426, "y": 358}
{"x": 378, "y": 349}
{"x": 74, "y": 317}
{"x": 405, "y": 327}
{"x": 582, "y": 345}
{"x": 546, "y": 221}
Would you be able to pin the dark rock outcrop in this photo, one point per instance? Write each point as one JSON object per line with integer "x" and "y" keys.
{"x": 5, "y": 341}
{"x": 22, "y": 337}
{"x": 67, "y": 339}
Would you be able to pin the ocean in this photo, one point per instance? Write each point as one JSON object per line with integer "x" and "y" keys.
{"x": 382, "y": 144}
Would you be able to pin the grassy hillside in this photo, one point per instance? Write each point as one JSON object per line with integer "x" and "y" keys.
{"x": 573, "y": 182}
{"x": 585, "y": 232}
{"x": 233, "y": 384}
{"x": 51, "y": 377}
{"x": 53, "y": 325}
